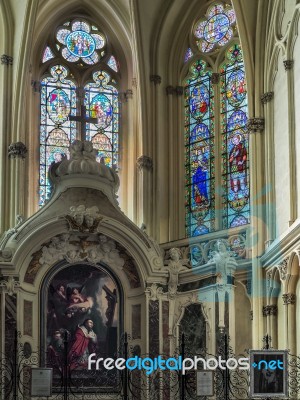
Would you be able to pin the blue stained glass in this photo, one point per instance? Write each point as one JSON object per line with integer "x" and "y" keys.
{"x": 216, "y": 28}
{"x": 101, "y": 109}
{"x": 199, "y": 126}
{"x": 188, "y": 54}
{"x": 201, "y": 230}
{"x": 236, "y": 120}
{"x": 236, "y": 87}
{"x": 236, "y": 211}
{"x": 199, "y": 132}
{"x": 80, "y": 44}
{"x": 58, "y": 106}
{"x": 48, "y": 55}
{"x": 112, "y": 63}
{"x": 58, "y": 101}
{"x": 101, "y": 101}
{"x": 199, "y": 101}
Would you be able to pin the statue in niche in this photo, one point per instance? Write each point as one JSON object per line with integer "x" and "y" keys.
{"x": 224, "y": 260}
{"x": 175, "y": 264}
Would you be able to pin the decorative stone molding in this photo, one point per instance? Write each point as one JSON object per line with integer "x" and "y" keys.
{"x": 288, "y": 64}
{"x": 225, "y": 262}
{"x": 198, "y": 253}
{"x": 269, "y": 279}
{"x": 265, "y": 311}
{"x": 6, "y": 60}
{"x": 215, "y": 78}
{"x": 271, "y": 309}
{"x": 174, "y": 264}
{"x": 266, "y": 97}
{"x": 289, "y": 298}
{"x": 83, "y": 162}
{"x": 156, "y": 79}
{"x": 17, "y": 150}
{"x": 36, "y": 86}
{"x": 73, "y": 248}
{"x": 154, "y": 291}
{"x": 256, "y": 124}
{"x": 125, "y": 96}
{"x": 251, "y": 315}
{"x": 283, "y": 268}
{"x": 145, "y": 162}
{"x": 9, "y": 285}
{"x": 84, "y": 220}
{"x": 170, "y": 90}
{"x": 179, "y": 90}
{"x": 8, "y": 234}
{"x": 129, "y": 94}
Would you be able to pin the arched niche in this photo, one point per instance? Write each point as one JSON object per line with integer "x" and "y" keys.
{"x": 194, "y": 326}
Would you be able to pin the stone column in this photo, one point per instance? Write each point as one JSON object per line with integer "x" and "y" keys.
{"x": 289, "y": 300}
{"x": 6, "y": 70}
{"x": 9, "y": 287}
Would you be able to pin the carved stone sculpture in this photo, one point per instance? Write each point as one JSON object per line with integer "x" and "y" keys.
{"x": 84, "y": 219}
{"x": 175, "y": 264}
{"x": 225, "y": 262}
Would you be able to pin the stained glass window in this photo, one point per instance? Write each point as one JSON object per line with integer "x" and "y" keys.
{"x": 217, "y": 149}
{"x": 112, "y": 63}
{"x": 235, "y": 171}
{"x": 216, "y": 28}
{"x": 199, "y": 137}
{"x": 79, "y": 43}
{"x": 188, "y": 54}
{"x": 47, "y": 55}
{"x": 101, "y": 101}
{"x": 58, "y": 100}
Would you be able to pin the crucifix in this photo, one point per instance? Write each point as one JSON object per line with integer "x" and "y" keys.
{"x": 83, "y": 119}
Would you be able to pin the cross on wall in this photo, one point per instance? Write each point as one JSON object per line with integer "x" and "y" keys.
{"x": 83, "y": 120}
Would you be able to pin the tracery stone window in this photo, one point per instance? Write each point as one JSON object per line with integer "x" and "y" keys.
{"x": 216, "y": 139}
{"x": 79, "y": 96}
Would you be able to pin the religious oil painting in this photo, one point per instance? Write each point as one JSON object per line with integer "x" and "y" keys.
{"x": 268, "y": 374}
{"x": 82, "y": 315}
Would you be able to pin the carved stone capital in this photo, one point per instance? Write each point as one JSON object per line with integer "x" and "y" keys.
{"x": 17, "y": 150}
{"x": 283, "y": 268}
{"x": 125, "y": 96}
{"x": 9, "y": 285}
{"x": 145, "y": 162}
{"x": 266, "y": 97}
{"x": 154, "y": 291}
{"x": 289, "y": 298}
{"x": 256, "y": 124}
{"x": 179, "y": 90}
{"x": 36, "y": 86}
{"x": 265, "y": 311}
{"x": 170, "y": 90}
{"x": 215, "y": 78}
{"x": 6, "y": 60}
{"x": 156, "y": 79}
{"x": 273, "y": 309}
{"x": 288, "y": 64}
{"x": 270, "y": 310}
